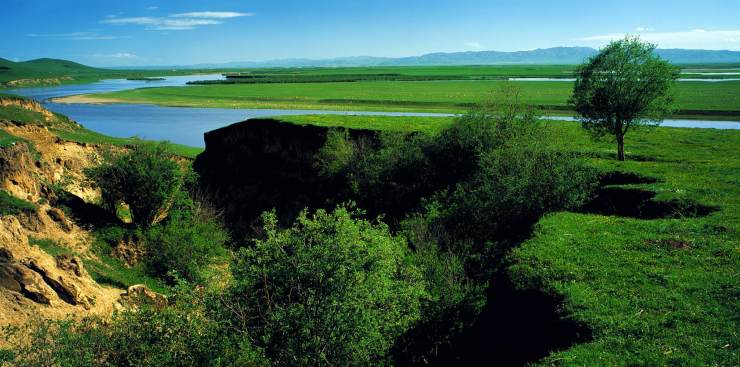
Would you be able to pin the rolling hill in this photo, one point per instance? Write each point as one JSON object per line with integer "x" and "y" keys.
{"x": 554, "y": 55}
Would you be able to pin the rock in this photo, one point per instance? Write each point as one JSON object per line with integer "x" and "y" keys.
{"x": 31, "y": 220}
{"x": 58, "y": 216}
{"x": 64, "y": 288}
{"x": 71, "y": 264}
{"x": 139, "y": 294}
{"x": 19, "y": 278}
{"x": 128, "y": 251}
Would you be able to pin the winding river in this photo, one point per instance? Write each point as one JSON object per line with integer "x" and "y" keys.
{"x": 186, "y": 125}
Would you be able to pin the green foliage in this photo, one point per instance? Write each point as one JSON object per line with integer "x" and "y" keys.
{"x": 10, "y": 205}
{"x": 146, "y": 178}
{"x": 626, "y": 85}
{"x": 455, "y": 300}
{"x": 186, "y": 243}
{"x": 332, "y": 289}
{"x": 180, "y": 334}
{"x": 335, "y": 154}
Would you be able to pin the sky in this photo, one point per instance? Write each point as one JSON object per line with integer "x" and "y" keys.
{"x": 186, "y": 32}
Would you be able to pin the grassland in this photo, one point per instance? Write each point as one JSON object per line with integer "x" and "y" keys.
{"x": 654, "y": 292}
{"x": 718, "y": 100}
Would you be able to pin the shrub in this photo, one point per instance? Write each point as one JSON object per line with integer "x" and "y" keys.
{"x": 330, "y": 290}
{"x": 185, "y": 243}
{"x": 181, "y": 334}
{"x": 454, "y": 299}
{"x": 146, "y": 178}
{"x": 336, "y": 153}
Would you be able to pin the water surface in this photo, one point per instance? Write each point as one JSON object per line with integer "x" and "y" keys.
{"x": 186, "y": 125}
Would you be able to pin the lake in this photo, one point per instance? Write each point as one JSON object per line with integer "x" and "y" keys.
{"x": 186, "y": 125}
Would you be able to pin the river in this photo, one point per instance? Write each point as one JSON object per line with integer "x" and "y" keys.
{"x": 185, "y": 125}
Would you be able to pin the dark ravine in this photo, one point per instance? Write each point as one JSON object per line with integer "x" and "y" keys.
{"x": 263, "y": 164}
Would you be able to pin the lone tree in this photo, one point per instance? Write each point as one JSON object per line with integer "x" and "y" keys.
{"x": 626, "y": 85}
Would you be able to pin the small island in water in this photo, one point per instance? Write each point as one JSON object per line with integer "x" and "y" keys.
{"x": 146, "y": 79}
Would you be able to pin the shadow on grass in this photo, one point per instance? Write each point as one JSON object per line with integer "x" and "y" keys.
{"x": 516, "y": 328}
{"x": 640, "y": 204}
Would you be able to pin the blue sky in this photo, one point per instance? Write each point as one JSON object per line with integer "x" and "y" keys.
{"x": 176, "y": 32}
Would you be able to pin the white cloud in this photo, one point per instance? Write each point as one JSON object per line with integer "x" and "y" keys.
{"x": 212, "y": 14}
{"x": 180, "y": 21}
{"x": 117, "y": 55}
{"x": 643, "y": 29}
{"x": 133, "y": 20}
{"x": 183, "y": 24}
{"x": 473, "y": 45}
{"x": 152, "y": 7}
{"x": 76, "y": 36}
{"x": 696, "y": 38}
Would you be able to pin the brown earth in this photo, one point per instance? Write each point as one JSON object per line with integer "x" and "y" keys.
{"x": 34, "y": 283}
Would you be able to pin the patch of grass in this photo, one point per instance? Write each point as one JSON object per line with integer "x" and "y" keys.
{"x": 20, "y": 114}
{"x": 7, "y": 139}
{"x": 11, "y": 205}
{"x": 384, "y": 123}
{"x": 50, "y": 246}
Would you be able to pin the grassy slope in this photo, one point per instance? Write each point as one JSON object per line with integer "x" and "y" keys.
{"x": 437, "y": 96}
{"x": 647, "y": 302}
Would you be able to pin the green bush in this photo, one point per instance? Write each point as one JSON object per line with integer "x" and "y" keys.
{"x": 330, "y": 290}
{"x": 146, "y": 178}
{"x": 181, "y": 334}
{"x": 336, "y": 153}
{"x": 186, "y": 243}
{"x": 454, "y": 301}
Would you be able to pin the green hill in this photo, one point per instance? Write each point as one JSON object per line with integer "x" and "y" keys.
{"x": 46, "y": 71}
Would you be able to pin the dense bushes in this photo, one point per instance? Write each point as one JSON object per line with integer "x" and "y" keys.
{"x": 331, "y": 289}
{"x": 186, "y": 243}
{"x": 335, "y": 288}
{"x": 181, "y": 236}
{"x": 462, "y": 198}
{"x": 146, "y": 178}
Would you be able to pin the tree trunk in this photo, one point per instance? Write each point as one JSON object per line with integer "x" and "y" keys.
{"x": 620, "y": 147}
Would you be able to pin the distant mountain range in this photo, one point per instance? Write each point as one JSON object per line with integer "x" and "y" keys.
{"x": 554, "y": 55}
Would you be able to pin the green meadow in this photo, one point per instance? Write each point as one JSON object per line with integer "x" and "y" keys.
{"x": 719, "y": 100}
